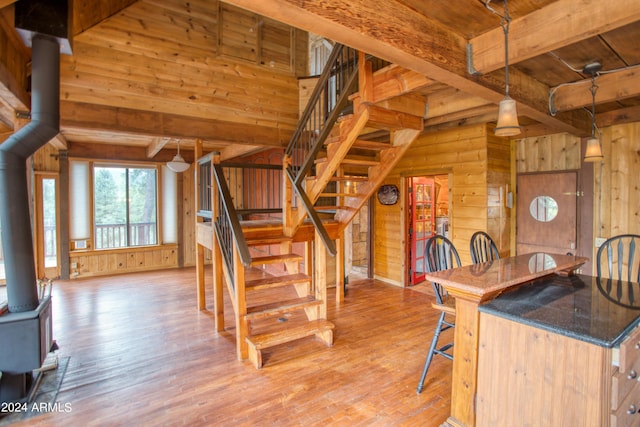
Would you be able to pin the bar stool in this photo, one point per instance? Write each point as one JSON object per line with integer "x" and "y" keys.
{"x": 440, "y": 255}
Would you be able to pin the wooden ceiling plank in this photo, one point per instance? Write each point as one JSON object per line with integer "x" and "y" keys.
{"x": 450, "y": 101}
{"x": 568, "y": 21}
{"x": 394, "y": 32}
{"x": 612, "y": 86}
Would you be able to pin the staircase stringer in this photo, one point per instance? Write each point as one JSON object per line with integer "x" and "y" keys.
{"x": 402, "y": 140}
{"x": 349, "y": 132}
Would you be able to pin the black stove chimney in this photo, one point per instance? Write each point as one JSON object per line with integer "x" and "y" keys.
{"x": 17, "y": 240}
{"x": 25, "y": 330}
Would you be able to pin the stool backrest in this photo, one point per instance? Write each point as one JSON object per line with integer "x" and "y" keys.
{"x": 483, "y": 248}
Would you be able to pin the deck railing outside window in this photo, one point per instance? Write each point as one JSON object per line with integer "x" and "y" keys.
{"x": 110, "y": 236}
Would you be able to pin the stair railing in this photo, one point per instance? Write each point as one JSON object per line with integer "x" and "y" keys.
{"x": 327, "y": 101}
{"x": 338, "y": 80}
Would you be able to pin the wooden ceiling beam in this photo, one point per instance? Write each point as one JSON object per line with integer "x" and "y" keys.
{"x": 559, "y": 24}
{"x": 59, "y": 142}
{"x": 113, "y": 119}
{"x": 623, "y": 115}
{"x": 156, "y": 145}
{"x": 394, "y": 81}
{"x": 233, "y": 151}
{"x": 393, "y": 31}
{"x": 611, "y": 87}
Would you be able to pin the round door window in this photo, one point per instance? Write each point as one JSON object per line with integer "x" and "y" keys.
{"x": 543, "y": 208}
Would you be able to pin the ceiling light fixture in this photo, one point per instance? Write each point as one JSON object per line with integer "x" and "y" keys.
{"x": 507, "y": 115}
{"x": 178, "y": 164}
{"x": 593, "y": 151}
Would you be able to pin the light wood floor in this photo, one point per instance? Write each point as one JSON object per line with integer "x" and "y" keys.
{"x": 141, "y": 354}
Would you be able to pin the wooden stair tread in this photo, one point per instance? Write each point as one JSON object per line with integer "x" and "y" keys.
{"x": 348, "y": 161}
{"x": 343, "y": 178}
{"x": 280, "y": 307}
{"x": 272, "y": 259}
{"x": 340, "y": 195}
{"x": 332, "y": 208}
{"x": 258, "y": 241}
{"x": 276, "y": 281}
{"x": 271, "y": 339}
{"x": 370, "y": 145}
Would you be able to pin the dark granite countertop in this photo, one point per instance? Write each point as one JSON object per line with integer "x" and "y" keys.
{"x": 576, "y": 306}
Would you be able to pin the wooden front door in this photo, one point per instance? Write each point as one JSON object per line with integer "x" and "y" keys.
{"x": 546, "y": 213}
{"x": 421, "y": 211}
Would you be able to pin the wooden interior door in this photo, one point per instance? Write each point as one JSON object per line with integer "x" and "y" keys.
{"x": 422, "y": 210}
{"x": 546, "y": 216}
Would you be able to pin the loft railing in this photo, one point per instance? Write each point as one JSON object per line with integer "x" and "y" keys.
{"x": 256, "y": 189}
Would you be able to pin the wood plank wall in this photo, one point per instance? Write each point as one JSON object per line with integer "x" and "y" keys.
{"x": 478, "y": 164}
{"x": 616, "y": 207}
{"x": 617, "y": 182}
{"x": 237, "y": 66}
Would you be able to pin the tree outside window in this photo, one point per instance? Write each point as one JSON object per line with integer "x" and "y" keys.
{"x": 125, "y": 207}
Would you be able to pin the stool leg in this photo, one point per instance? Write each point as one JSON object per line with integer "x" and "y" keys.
{"x": 434, "y": 343}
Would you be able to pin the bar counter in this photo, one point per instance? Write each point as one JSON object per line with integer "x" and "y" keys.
{"x": 475, "y": 284}
{"x": 573, "y": 306}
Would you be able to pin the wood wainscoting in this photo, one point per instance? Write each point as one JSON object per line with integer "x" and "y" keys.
{"x": 127, "y": 260}
{"x": 140, "y": 353}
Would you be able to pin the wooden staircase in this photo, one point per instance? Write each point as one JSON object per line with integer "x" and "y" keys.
{"x": 358, "y": 153}
{"x": 333, "y": 165}
{"x": 281, "y": 297}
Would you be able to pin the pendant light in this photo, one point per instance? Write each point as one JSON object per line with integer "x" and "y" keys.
{"x": 178, "y": 164}
{"x": 507, "y": 115}
{"x": 593, "y": 151}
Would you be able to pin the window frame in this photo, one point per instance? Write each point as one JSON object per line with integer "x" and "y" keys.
{"x": 88, "y": 244}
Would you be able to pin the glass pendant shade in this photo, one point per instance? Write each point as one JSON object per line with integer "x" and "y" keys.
{"x": 507, "y": 118}
{"x": 593, "y": 152}
{"x": 178, "y": 164}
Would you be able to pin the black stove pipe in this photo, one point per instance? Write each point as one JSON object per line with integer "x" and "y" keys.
{"x": 17, "y": 237}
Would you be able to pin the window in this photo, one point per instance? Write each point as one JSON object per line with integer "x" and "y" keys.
{"x": 125, "y": 206}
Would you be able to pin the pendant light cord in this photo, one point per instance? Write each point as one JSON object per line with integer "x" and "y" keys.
{"x": 594, "y": 88}
{"x": 504, "y": 23}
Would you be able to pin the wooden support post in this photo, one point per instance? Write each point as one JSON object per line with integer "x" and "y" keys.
{"x": 465, "y": 363}
{"x": 218, "y": 285}
{"x": 200, "y": 288}
{"x": 287, "y": 199}
{"x": 202, "y": 301}
{"x": 320, "y": 276}
{"x": 242, "y": 324}
{"x": 340, "y": 268}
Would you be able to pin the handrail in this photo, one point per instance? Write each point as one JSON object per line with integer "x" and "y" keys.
{"x": 227, "y": 223}
{"x": 313, "y": 216}
{"x": 331, "y": 94}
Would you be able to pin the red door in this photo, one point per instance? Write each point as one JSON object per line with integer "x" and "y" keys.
{"x": 422, "y": 210}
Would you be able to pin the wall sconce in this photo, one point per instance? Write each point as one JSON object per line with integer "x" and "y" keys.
{"x": 178, "y": 164}
{"x": 507, "y": 115}
{"x": 593, "y": 151}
